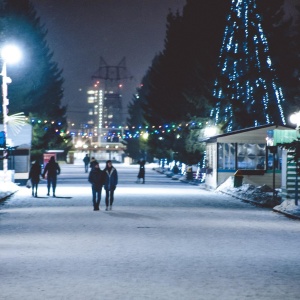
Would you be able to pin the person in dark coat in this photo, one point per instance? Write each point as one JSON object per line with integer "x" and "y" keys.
{"x": 34, "y": 176}
{"x": 96, "y": 179}
{"x": 86, "y": 161}
{"x": 110, "y": 183}
{"x": 141, "y": 174}
{"x": 93, "y": 162}
{"x": 52, "y": 169}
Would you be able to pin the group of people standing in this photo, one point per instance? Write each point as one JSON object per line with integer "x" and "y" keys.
{"x": 107, "y": 178}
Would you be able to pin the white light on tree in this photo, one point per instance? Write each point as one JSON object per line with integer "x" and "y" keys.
{"x": 10, "y": 54}
{"x": 246, "y": 89}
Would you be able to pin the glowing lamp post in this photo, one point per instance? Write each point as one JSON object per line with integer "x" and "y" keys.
{"x": 210, "y": 131}
{"x": 9, "y": 55}
{"x": 295, "y": 119}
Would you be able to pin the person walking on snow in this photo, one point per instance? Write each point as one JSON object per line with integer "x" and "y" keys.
{"x": 34, "y": 176}
{"x": 141, "y": 174}
{"x": 52, "y": 169}
{"x": 96, "y": 179}
{"x": 110, "y": 184}
{"x": 86, "y": 161}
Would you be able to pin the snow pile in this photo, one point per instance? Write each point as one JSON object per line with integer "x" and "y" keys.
{"x": 7, "y": 188}
{"x": 288, "y": 207}
{"x": 261, "y": 195}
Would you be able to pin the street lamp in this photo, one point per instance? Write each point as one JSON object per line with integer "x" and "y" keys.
{"x": 10, "y": 54}
{"x": 210, "y": 131}
{"x": 295, "y": 119}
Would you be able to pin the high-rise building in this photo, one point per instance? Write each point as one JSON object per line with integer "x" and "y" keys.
{"x": 95, "y": 101}
{"x": 105, "y": 124}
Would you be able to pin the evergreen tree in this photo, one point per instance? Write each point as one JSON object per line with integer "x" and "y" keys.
{"x": 180, "y": 79}
{"x": 247, "y": 88}
{"x": 37, "y": 82}
{"x": 136, "y": 144}
{"x": 283, "y": 35}
{"x": 181, "y": 76}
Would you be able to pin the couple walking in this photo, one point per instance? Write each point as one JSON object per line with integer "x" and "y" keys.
{"x": 52, "y": 169}
{"x": 107, "y": 178}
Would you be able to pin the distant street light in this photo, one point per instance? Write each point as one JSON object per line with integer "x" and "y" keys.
{"x": 9, "y": 55}
{"x": 210, "y": 131}
{"x": 295, "y": 119}
{"x": 145, "y": 136}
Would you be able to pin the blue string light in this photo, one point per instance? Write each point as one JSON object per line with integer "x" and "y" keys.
{"x": 246, "y": 64}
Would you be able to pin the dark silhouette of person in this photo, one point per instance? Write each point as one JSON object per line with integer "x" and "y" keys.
{"x": 93, "y": 162}
{"x": 52, "y": 169}
{"x": 175, "y": 170}
{"x": 141, "y": 174}
{"x": 96, "y": 179}
{"x": 110, "y": 183}
{"x": 86, "y": 161}
{"x": 34, "y": 176}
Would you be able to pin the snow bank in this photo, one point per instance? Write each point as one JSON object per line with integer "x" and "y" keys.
{"x": 261, "y": 195}
{"x": 8, "y": 188}
{"x": 288, "y": 207}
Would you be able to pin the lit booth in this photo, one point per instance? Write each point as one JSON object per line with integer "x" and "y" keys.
{"x": 246, "y": 151}
{"x": 18, "y": 147}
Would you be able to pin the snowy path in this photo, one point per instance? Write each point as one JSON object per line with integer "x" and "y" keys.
{"x": 163, "y": 240}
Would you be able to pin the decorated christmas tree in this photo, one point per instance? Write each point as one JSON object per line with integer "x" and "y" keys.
{"x": 246, "y": 89}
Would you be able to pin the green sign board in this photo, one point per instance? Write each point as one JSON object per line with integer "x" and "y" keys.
{"x": 285, "y": 136}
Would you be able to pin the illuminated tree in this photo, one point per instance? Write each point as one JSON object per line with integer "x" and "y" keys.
{"x": 246, "y": 89}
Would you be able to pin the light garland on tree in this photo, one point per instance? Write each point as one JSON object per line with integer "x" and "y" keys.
{"x": 246, "y": 70}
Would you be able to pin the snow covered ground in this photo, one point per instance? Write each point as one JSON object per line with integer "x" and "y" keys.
{"x": 7, "y": 189}
{"x": 247, "y": 192}
{"x": 163, "y": 240}
{"x": 262, "y": 195}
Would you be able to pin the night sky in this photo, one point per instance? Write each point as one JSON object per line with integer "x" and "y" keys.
{"x": 80, "y": 31}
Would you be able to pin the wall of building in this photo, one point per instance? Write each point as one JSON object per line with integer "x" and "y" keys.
{"x": 211, "y": 156}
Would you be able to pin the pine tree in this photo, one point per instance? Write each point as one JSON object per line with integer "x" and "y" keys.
{"x": 246, "y": 88}
{"x": 37, "y": 82}
{"x": 179, "y": 81}
{"x": 181, "y": 76}
{"x": 136, "y": 143}
{"x": 283, "y": 34}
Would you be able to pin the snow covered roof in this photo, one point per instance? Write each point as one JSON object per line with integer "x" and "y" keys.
{"x": 248, "y": 135}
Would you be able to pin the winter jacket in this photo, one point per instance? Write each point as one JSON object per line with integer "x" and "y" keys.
{"x": 52, "y": 168}
{"x": 86, "y": 160}
{"x": 96, "y": 178}
{"x": 142, "y": 169}
{"x": 110, "y": 178}
{"x": 35, "y": 173}
{"x": 93, "y": 163}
